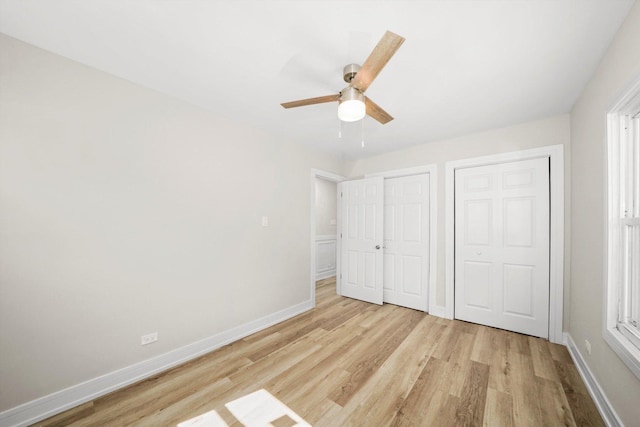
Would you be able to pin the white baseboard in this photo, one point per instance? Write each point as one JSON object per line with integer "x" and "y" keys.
{"x": 597, "y": 394}
{"x": 325, "y": 274}
{"x": 54, "y": 403}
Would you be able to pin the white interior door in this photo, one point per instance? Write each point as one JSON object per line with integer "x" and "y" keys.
{"x": 406, "y": 241}
{"x": 502, "y": 246}
{"x": 361, "y": 238}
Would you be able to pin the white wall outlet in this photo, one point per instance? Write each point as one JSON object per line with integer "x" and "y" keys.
{"x": 149, "y": 338}
{"x": 265, "y": 221}
{"x": 587, "y": 344}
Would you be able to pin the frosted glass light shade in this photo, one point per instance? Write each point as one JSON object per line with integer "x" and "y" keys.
{"x": 351, "y": 111}
{"x": 351, "y": 107}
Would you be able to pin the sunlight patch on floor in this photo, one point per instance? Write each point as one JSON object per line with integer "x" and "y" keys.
{"x": 261, "y": 408}
{"x": 257, "y": 409}
{"x": 208, "y": 419}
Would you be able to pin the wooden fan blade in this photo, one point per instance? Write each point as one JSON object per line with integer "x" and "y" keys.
{"x": 311, "y": 101}
{"x": 382, "y": 53}
{"x": 376, "y": 112}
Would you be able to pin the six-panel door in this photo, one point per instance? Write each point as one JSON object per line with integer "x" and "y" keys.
{"x": 502, "y": 246}
{"x": 406, "y": 241}
{"x": 361, "y": 230}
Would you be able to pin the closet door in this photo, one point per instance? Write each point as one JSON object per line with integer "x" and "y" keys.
{"x": 502, "y": 246}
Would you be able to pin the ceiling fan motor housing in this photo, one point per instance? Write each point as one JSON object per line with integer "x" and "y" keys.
{"x": 350, "y": 71}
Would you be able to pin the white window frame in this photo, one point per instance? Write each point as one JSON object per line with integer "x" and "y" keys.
{"x": 622, "y": 214}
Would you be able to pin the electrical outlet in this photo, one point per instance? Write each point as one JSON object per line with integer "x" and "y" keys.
{"x": 149, "y": 338}
{"x": 265, "y": 221}
{"x": 588, "y": 345}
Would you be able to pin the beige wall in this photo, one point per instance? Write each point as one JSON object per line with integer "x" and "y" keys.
{"x": 619, "y": 66}
{"x": 326, "y": 209}
{"x": 550, "y": 131}
{"x": 124, "y": 211}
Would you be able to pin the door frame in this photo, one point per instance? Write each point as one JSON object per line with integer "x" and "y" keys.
{"x": 555, "y": 153}
{"x": 329, "y": 176}
{"x": 432, "y": 171}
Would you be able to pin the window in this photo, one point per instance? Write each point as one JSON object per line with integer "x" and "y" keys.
{"x": 622, "y": 314}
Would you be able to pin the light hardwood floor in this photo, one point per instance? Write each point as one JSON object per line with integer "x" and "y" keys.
{"x": 347, "y": 362}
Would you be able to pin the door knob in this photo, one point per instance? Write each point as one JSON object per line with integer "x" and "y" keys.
{"x": 377, "y": 246}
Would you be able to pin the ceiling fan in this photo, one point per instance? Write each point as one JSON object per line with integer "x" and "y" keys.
{"x": 353, "y": 105}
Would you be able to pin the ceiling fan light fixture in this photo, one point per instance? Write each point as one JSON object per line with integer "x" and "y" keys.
{"x": 351, "y": 107}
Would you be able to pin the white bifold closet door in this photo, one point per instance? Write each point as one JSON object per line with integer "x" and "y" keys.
{"x": 406, "y": 241}
{"x": 361, "y": 239}
{"x": 502, "y": 246}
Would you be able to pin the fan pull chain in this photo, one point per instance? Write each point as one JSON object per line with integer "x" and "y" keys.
{"x": 339, "y": 128}
{"x": 362, "y": 132}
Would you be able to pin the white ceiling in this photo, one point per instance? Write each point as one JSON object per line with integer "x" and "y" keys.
{"x": 466, "y": 65}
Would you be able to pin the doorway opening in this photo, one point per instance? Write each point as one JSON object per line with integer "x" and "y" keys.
{"x": 324, "y": 226}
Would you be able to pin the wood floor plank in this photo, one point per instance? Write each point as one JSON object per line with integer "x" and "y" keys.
{"x": 498, "y": 409}
{"x": 582, "y": 406}
{"x": 526, "y": 411}
{"x": 293, "y": 331}
{"x": 328, "y": 418}
{"x": 345, "y": 315}
{"x": 483, "y": 346}
{"x": 364, "y": 367}
{"x": 388, "y": 387}
{"x": 414, "y": 407}
{"x": 351, "y": 363}
{"x": 470, "y": 409}
{"x": 326, "y": 409}
{"x": 554, "y": 407}
{"x": 518, "y": 343}
{"x": 379, "y": 312}
{"x": 322, "y": 362}
{"x": 500, "y": 373}
{"x": 543, "y": 365}
{"x": 559, "y": 352}
{"x": 446, "y": 344}
{"x": 460, "y": 363}
{"x": 308, "y": 399}
{"x": 200, "y": 401}
{"x": 442, "y": 410}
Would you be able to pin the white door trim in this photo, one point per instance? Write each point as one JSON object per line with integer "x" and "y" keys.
{"x": 317, "y": 173}
{"x": 432, "y": 170}
{"x": 556, "y": 250}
